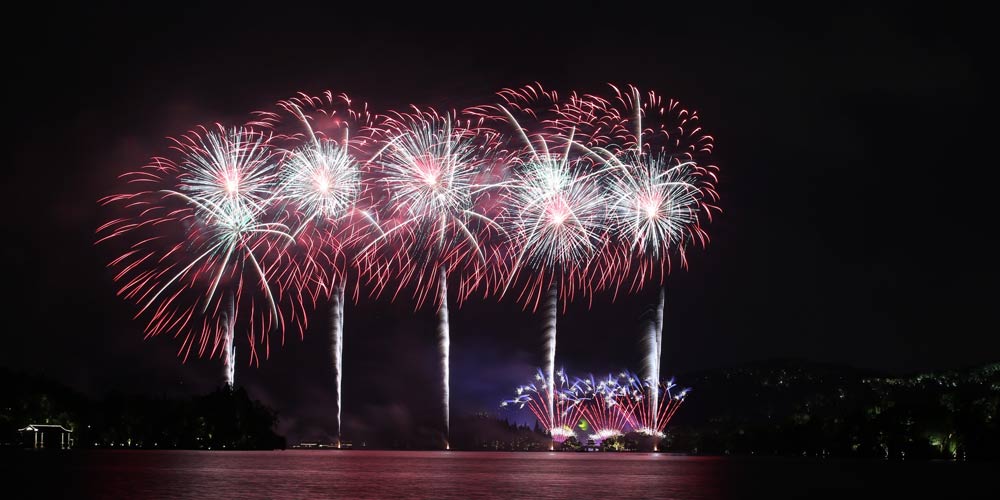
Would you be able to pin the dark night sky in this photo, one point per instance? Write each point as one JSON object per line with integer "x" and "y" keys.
{"x": 851, "y": 142}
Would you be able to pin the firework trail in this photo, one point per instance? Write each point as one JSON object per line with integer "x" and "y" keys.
{"x": 552, "y": 314}
{"x": 444, "y": 344}
{"x": 229, "y": 361}
{"x": 536, "y": 396}
{"x": 654, "y": 342}
{"x": 195, "y": 229}
{"x": 337, "y": 320}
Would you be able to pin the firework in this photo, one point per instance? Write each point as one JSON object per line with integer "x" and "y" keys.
{"x": 599, "y": 400}
{"x": 660, "y": 187}
{"x": 430, "y": 168}
{"x": 196, "y": 225}
{"x": 320, "y": 188}
{"x": 559, "y": 415}
{"x": 652, "y": 160}
{"x": 648, "y": 405}
{"x": 554, "y": 208}
{"x": 541, "y": 196}
{"x": 611, "y": 406}
{"x": 658, "y": 179}
{"x": 556, "y": 215}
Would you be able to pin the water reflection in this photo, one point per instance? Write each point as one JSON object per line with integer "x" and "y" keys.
{"x": 489, "y": 475}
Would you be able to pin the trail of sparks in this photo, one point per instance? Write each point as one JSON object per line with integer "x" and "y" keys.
{"x": 444, "y": 344}
{"x": 337, "y": 326}
{"x": 229, "y": 361}
{"x": 552, "y": 314}
{"x": 654, "y": 344}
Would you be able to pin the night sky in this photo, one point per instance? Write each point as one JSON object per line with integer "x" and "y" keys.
{"x": 854, "y": 180}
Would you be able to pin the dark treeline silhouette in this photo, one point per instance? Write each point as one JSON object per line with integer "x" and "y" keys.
{"x": 767, "y": 408}
{"x": 224, "y": 419}
{"x": 796, "y": 408}
{"x": 482, "y": 431}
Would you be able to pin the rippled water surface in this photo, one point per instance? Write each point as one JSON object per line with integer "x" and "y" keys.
{"x": 398, "y": 474}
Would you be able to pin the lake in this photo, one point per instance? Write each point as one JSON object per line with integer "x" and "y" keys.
{"x": 359, "y": 474}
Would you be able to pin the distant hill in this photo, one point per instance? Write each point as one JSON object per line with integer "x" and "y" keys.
{"x": 795, "y": 407}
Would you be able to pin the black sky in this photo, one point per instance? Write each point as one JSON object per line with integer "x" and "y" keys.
{"x": 854, "y": 163}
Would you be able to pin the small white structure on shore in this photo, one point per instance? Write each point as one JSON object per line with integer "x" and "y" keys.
{"x": 40, "y": 431}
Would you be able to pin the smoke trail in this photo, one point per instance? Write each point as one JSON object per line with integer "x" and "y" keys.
{"x": 659, "y": 328}
{"x": 550, "y": 345}
{"x": 444, "y": 343}
{"x": 337, "y": 334}
{"x": 229, "y": 356}
{"x": 652, "y": 366}
{"x": 655, "y": 357}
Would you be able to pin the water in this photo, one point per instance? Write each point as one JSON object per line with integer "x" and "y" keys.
{"x": 461, "y": 475}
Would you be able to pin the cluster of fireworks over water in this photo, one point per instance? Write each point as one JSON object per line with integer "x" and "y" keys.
{"x": 610, "y": 406}
{"x": 249, "y": 228}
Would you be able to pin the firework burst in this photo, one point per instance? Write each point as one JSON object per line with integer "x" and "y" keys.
{"x": 659, "y": 184}
{"x": 321, "y": 188}
{"x": 599, "y": 400}
{"x": 648, "y": 406}
{"x": 198, "y": 224}
{"x": 559, "y": 417}
{"x": 431, "y": 167}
